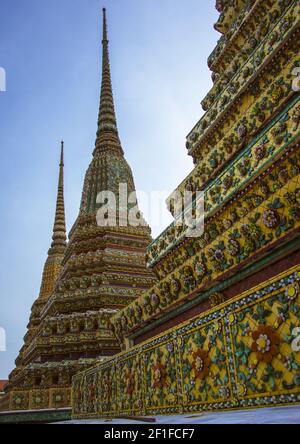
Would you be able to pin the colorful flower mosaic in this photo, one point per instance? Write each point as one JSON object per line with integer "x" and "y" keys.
{"x": 261, "y": 217}
{"x": 236, "y": 355}
{"x": 242, "y": 171}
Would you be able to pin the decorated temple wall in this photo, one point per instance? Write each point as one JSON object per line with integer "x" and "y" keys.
{"x": 215, "y": 327}
{"x": 255, "y": 111}
{"x": 242, "y": 354}
{"x": 55, "y": 398}
{"x": 229, "y": 11}
{"x": 258, "y": 221}
{"x": 4, "y": 403}
{"x": 226, "y": 290}
{"x": 251, "y": 30}
{"x": 256, "y": 156}
{"x": 246, "y": 150}
{"x": 41, "y": 386}
{"x": 251, "y": 81}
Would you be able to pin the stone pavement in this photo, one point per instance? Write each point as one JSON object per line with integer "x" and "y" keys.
{"x": 277, "y": 415}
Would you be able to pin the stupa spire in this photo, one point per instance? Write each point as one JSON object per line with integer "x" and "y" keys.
{"x": 107, "y": 134}
{"x": 59, "y": 237}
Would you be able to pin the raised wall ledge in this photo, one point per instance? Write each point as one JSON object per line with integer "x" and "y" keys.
{"x": 41, "y": 416}
{"x": 244, "y": 153}
{"x": 201, "y": 136}
{"x": 166, "y": 363}
{"x": 229, "y": 11}
{"x": 268, "y": 257}
{"x": 202, "y": 267}
{"x": 227, "y": 79}
{"x": 227, "y": 41}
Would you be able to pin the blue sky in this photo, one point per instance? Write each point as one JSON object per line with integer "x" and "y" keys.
{"x": 51, "y": 52}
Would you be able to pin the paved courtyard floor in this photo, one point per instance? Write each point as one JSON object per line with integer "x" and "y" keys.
{"x": 278, "y": 415}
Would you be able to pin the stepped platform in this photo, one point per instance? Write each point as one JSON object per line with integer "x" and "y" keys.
{"x": 35, "y": 416}
{"x": 277, "y": 415}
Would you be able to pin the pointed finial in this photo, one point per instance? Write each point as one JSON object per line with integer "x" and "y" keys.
{"x": 62, "y": 154}
{"x": 59, "y": 229}
{"x": 105, "y": 39}
{"x": 107, "y": 133}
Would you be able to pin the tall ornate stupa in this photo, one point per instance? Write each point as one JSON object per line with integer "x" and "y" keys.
{"x": 100, "y": 271}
